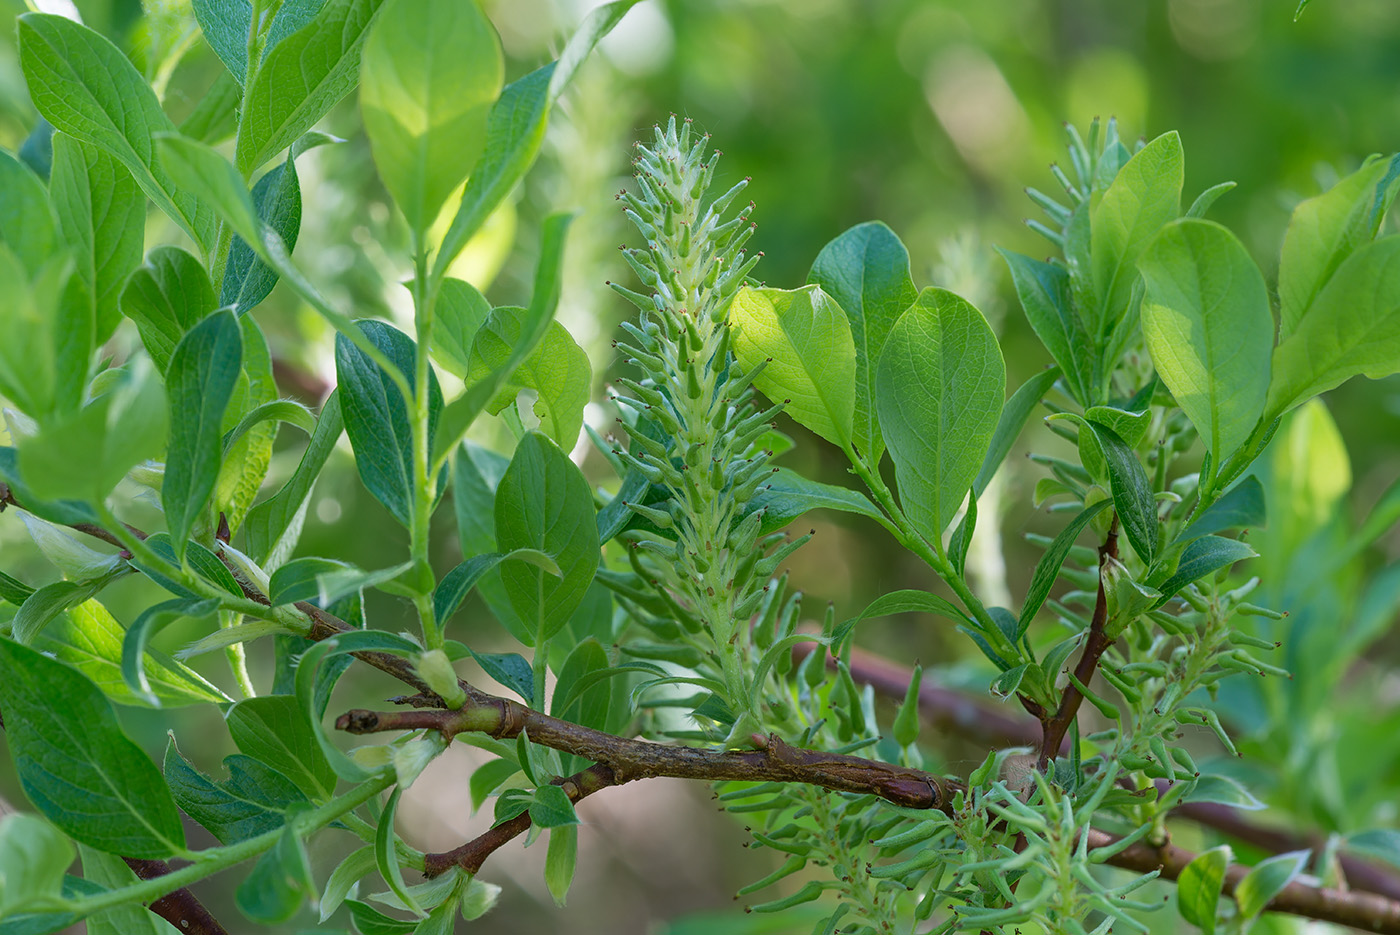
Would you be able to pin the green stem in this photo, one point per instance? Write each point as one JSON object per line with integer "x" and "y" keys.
{"x": 209, "y": 862}
{"x": 238, "y": 659}
{"x": 932, "y": 554}
{"x": 420, "y": 418}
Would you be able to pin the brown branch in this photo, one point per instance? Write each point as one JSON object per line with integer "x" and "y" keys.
{"x": 1056, "y": 726}
{"x": 629, "y": 759}
{"x": 1365, "y": 911}
{"x": 471, "y": 855}
{"x": 180, "y": 908}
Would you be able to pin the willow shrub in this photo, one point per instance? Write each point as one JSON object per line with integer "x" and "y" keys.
{"x": 655, "y": 600}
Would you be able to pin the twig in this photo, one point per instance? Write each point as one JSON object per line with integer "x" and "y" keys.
{"x": 774, "y": 761}
{"x": 1057, "y": 725}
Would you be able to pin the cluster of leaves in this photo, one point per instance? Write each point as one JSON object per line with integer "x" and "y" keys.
{"x": 1162, "y": 333}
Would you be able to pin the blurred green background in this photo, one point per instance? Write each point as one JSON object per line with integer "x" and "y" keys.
{"x": 931, "y": 115}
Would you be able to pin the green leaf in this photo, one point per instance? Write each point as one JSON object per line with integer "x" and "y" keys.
{"x": 386, "y": 856}
{"x": 27, "y": 224}
{"x": 1203, "y": 556}
{"x": 940, "y": 385}
{"x": 346, "y": 874}
{"x": 37, "y": 318}
{"x": 476, "y": 475}
{"x": 76, "y": 765}
{"x": 215, "y": 116}
{"x": 89, "y": 638}
{"x": 1241, "y": 508}
{"x": 1198, "y": 888}
{"x": 1322, "y": 233}
{"x": 254, "y": 798}
{"x": 275, "y": 730}
{"x": 277, "y": 203}
{"x": 1206, "y": 317}
{"x": 866, "y": 271}
{"x": 203, "y": 373}
{"x": 370, "y": 921}
{"x": 203, "y": 562}
{"x": 1047, "y": 570}
{"x": 543, "y": 502}
{"x": 789, "y": 495}
{"x": 1267, "y": 880}
{"x": 1353, "y": 327}
{"x": 1044, "y": 291}
{"x": 514, "y": 131}
{"x": 811, "y": 355}
{"x": 102, "y": 217}
{"x": 376, "y": 414}
{"x": 1207, "y": 198}
{"x": 33, "y": 859}
{"x": 87, "y": 88}
{"x": 559, "y": 862}
{"x": 557, "y": 370}
{"x": 551, "y": 808}
{"x": 151, "y": 621}
{"x": 901, "y": 602}
{"x": 198, "y": 168}
{"x": 111, "y": 872}
{"x": 274, "y": 525}
{"x": 280, "y": 882}
{"x": 166, "y": 297}
{"x": 227, "y": 23}
{"x": 301, "y": 79}
{"x": 1013, "y": 418}
{"x": 460, "y": 312}
{"x": 511, "y": 670}
{"x": 580, "y": 697}
{"x": 430, "y": 71}
{"x": 296, "y": 580}
{"x": 45, "y": 604}
{"x": 280, "y": 410}
{"x": 533, "y": 327}
{"x": 1379, "y": 843}
{"x": 1145, "y": 195}
{"x": 1132, "y": 492}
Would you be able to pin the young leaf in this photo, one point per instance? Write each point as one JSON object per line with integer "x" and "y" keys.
{"x": 102, "y": 217}
{"x": 1132, "y": 492}
{"x": 1044, "y": 291}
{"x": 166, "y": 297}
{"x": 254, "y": 799}
{"x": 560, "y": 860}
{"x": 533, "y": 326}
{"x": 1048, "y": 568}
{"x": 280, "y": 882}
{"x": 1352, "y": 327}
{"x": 788, "y": 495}
{"x": 203, "y": 373}
{"x": 1201, "y": 557}
{"x": 811, "y": 356}
{"x": 426, "y": 138}
{"x": 150, "y": 622}
{"x": 1322, "y": 233}
{"x": 866, "y": 271}
{"x": 76, "y": 765}
{"x": 588, "y": 706}
{"x": 551, "y": 808}
{"x": 277, "y": 201}
{"x": 939, "y": 389}
{"x": 1145, "y": 195}
{"x": 461, "y": 311}
{"x": 543, "y": 502}
{"x": 301, "y": 79}
{"x": 274, "y": 525}
{"x": 33, "y": 859}
{"x": 1206, "y": 318}
{"x": 346, "y": 874}
{"x": 87, "y": 88}
{"x": 511, "y": 670}
{"x": 1267, "y": 880}
{"x": 557, "y": 370}
{"x": 1013, "y": 418}
{"x": 514, "y": 131}
{"x": 275, "y": 730}
{"x": 1198, "y": 888}
{"x": 376, "y": 414}
{"x": 27, "y": 224}
{"x": 386, "y": 856}
{"x": 1241, "y": 508}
